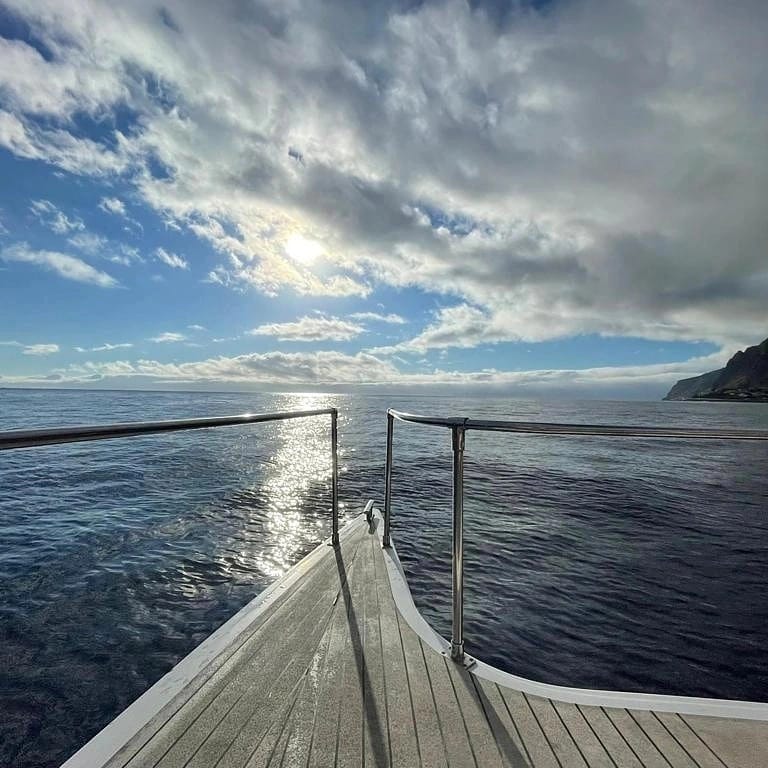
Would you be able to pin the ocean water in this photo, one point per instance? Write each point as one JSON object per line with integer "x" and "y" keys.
{"x": 628, "y": 564}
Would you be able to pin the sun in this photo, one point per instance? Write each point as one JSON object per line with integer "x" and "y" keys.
{"x": 303, "y": 250}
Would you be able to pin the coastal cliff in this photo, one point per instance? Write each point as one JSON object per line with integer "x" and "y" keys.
{"x": 745, "y": 377}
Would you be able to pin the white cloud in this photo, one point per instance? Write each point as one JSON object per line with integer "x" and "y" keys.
{"x": 570, "y": 171}
{"x": 336, "y": 369}
{"x": 88, "y": 242}
{"x": 104, "y": 347}
{"x": 311, "y": 328}
{"x": 113, "y": 205}
{"x": 62, "y": 264}
{"x": 40, "y": 349}
{"x": 171, "y": 259}
{"x": 56, "y": 220}
{"x": 196, "y": 327}
{"x": 168, "y": 337}
{"x": 377, "y": 317}
{"x": 80, "y": 156}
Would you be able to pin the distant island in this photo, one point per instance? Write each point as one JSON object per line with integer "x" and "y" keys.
{"x": 744, "y": 378}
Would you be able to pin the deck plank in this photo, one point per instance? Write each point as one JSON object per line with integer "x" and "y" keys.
{"x": 481, "y": 736}
{"x": 457, "y": 745}
{"x": 593, "y": 752}
{"x": 641, "y": 745}
{"x": 265, "y": 686}
{"x": 349, "y": 737}
{"x": 688, "y": 739}
{"x": 504, "y": 729}
{"x": 301, "y": 727}
{"x": 325, "y": 727}
{"x": 189, "y": 727}
{"x": 429, "y": 736}
{"x": 566, "y": 750}
{"x": 662, "y": 739}
{"x": 537, "y": 745}
{"x": 738, "y": 743}
{"x": 610, "y": 737}
{"x": 190, "y": 701}
{"x": 402, "y": 726}
{"x": 376, "y": 719}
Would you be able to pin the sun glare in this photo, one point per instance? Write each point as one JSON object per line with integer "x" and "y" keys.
{"x": 302, "y": 250}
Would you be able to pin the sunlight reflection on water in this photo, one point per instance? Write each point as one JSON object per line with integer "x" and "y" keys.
{"x": 301, "y": 462}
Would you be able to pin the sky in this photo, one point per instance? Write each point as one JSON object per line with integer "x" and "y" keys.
{"x": 533, "y": 199}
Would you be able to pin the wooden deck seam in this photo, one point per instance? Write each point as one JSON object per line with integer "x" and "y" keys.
{"x": 324, "y": 619}
{"x": 292, "y": 699}
{"x": 419, "y": 727}
{"x": 197, "y": 686}
{"x": 648, "y": 736}
{"x": 374, "y": 554}
{"x": 446, "y": 662}
{"x": 473, "y": 681}
{"x": 326, "y": 641}
{"x": 680, "y": 743}
{"x": 339, "y": 612}
{"x": 287, "y": 719}
{"x": 594, "y": 733}
{"x": 361, "y": 671}
{"x": 541, "y": 729}
{"x": 401, "y": 646}
{"x": 294, "y": 631}
{"x": 621, "y": 735}
{"x": 348, "y": 611}
{"x": 514, "y": 723}
{"x": 702, "y": 740}
{"x": 188, "y": 692}
{"x": 568, "y": 731}
{"x": 434, "y": 701}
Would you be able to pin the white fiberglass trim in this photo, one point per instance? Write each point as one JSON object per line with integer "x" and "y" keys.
{"x": 105, "y": 744}
{"x": 684, "y": 705}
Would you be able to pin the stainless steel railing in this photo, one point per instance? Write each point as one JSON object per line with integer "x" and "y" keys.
{"x": 459, "y": 428}
{"x": 33, "y": 438}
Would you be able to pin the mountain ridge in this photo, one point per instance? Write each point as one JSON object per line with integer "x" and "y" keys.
{"x": 744, "y": 378}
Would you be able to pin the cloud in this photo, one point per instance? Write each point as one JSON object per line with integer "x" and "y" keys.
{"x": 60, "y": 148}
{"x": 62, "y": 264}
{"x": 40, "y": 349}
{"x": 104, "y": 347}
{"x": 88, "y": 242}
{"x": 569, "y": 171}
{"x": 195, "y": 327}
{"x": 349, "y": 371}
{"x": 171, "y": 259}
{"x": 57, "y": 221}
{"x": 311, "y": 328}
{"x": 376, "y": 317}
{"x": 168, "y": 337}
{"x": 113, "y": 205}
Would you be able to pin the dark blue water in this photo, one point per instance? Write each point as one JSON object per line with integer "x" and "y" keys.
{"x": 626, "y": 564}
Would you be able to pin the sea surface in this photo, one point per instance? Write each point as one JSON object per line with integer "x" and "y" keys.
{"x": 628, "y": 564}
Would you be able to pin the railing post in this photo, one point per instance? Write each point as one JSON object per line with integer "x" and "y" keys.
{"x": 388, "y": 480}
{"x": 335, "y": 476}
{"x": 457, "y": 561}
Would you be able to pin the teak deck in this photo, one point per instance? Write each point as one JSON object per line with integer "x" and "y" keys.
{"x": 326, "y": 671}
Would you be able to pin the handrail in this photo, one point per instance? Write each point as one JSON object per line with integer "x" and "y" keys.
{"x": 459, "y": 427}
{"x": 34, "y": 438}
{"x": 575, "y": 430}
